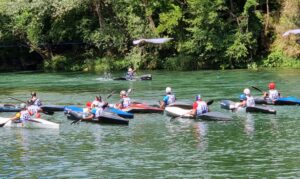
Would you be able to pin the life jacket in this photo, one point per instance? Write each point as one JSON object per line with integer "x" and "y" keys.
{"x": 37, "y": 102}
{"x": 273, "y": 94}
{"x": 33, "y": 109}
{"x": 24, "y": 116}
{"x": 98, "y": 112}
{"x": 170, "y": 99}
{"x": 201, "y": 108}
{"x": 126, "y": 102}
{"x": 250, "y": 101}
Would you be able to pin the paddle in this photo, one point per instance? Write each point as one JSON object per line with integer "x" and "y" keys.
{"x": 16, "y": 99}
{"x": 209, "y": 102}
{"x": 254, "y": 87}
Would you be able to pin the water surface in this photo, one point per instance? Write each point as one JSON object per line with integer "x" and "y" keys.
{"x": 152, "y": 146}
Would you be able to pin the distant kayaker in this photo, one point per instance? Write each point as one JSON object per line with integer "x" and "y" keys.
{"x": 199, "y": 106}
{"x": 36, "y": 101}
{"x": 242, "y": 103}
{"x": 168, "y": 98}
{"x": 124, "y": 100}
{"x": 272, "y": 94}
{"x": 130, "y": 73}
{"x": 23, "y": 115}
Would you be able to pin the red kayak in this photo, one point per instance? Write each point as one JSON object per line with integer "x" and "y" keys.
{"x": 142, "y": 108}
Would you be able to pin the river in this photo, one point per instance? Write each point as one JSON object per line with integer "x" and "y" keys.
{"x": 153, "y": 146}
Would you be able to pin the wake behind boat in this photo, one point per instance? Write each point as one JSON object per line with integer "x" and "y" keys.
{"x": 32, "y": 123}
{"x": 135, "y": 78}
{"x": 230, "y": 105}
{"x": 185, "y": 113}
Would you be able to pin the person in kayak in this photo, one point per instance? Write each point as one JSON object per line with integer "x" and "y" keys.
{"x": 242, "y": 103}
{"x": 36, "y": 101}
{"x": 272, "y": 94}
{"x": 124, "y": 101}
{"x": 23, "y": 115}
{"x": 33, "y": 109}
{"x": 97, "y": 102}
{"x": 199, "y": 106}
{"x": 90, "y": 113}
{"x": 246, "y": 99}
{"x": 130, "y": 73}
{"x": 168, "y": 98}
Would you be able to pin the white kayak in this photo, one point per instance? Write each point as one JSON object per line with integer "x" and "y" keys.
{"x": 185, "y": 113}
{"x": 32, "y": 123}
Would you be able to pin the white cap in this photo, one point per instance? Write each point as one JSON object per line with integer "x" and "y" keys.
{"x": 22, "y": 105}
{"x": 168, "y": 90}
{"x": 247, "y": 91}
{"x": 123, "y": 93}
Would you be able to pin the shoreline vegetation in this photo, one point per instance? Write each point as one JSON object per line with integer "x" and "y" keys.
{"x": 97, "y": 35}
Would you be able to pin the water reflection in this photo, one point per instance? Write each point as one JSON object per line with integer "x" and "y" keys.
{"x": 200, "y": 130}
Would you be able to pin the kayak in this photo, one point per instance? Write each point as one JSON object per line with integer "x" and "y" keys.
{"x": 16, "y": 108}
{"x": 230, "y": 105}
{"x": 105, "y": 117}
{"x": 107, "y": 109}
{"x": 185, "y": 113}
{"x": 280, "y": 101}
{"x": 52, "y": 108}
{"x": 9, "y": 108}
{"x": 181, "y": 105}
{"x": 142, "y": 108}
{"x": 32, "y": 123}
{"x": 143, "y": 77}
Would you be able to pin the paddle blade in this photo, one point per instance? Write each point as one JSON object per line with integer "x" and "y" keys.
{"x": 210, "y": 102}
{"x": 108, "y": 96}
{"x": 254, "y": 87}
{"x": 129, "y": 91}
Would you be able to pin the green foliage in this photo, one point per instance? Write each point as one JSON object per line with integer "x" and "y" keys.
{"x": 207, "y": 33}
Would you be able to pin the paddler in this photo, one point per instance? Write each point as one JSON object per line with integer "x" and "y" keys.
{"x": 199, "y": 106}
{"x": 246, "y": 99}
{"x": 90, "y": 113}
{"x": 36, "y": 101}
{"x": 23, "y": 115}
{"x": 124, "y": 100}
{"x": 130, "y": 73}
{"x": 168, "y": 98}
{"x": 33, "y": 109}
{"x": 272, "y": 94}
{"x": 97, "y": 103}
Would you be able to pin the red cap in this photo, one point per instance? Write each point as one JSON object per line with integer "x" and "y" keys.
{"x": 271, "y": 85}
{"x": 89, "y": 104}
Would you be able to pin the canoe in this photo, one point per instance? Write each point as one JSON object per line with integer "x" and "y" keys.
{"x": 185, "y": 113}
{"x": 9, "y": 108}
{"x": 280, "y": 101}
{"x": 121, "y": 113}
{"x": 143, "y": 77}
{"x": 230, "y": 105}
{"x": 32, "y": 123}
{"x": 106, "y": 118}
{"x": 142, "y": 108}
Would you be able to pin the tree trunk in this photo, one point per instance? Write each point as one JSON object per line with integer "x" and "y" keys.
{"x": 98, "y": 8}
{"x": 267, "y": 18}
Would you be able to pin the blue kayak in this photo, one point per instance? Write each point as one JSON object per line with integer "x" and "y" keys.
{"x": 280, "y": 101}
{"x": 108, "y": 109}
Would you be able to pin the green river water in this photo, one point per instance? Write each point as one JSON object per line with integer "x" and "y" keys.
{"x": 152, "y": 146}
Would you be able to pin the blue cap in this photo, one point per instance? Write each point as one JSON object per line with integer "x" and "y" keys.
{"x": 243, "y": 97}
{"x": 198, "y": 97}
